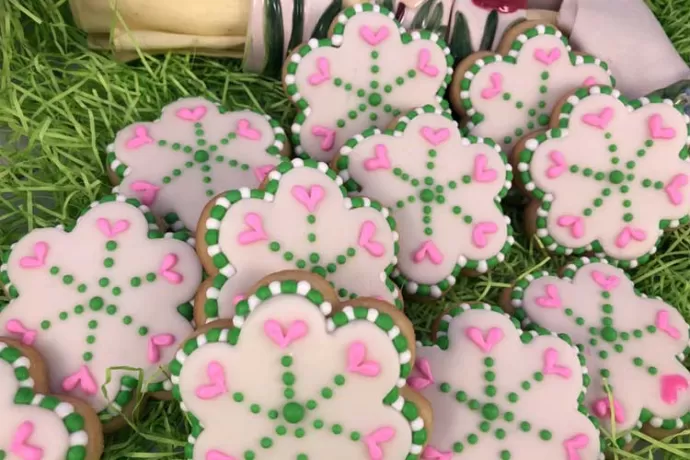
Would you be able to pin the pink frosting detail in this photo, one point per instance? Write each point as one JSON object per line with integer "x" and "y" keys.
{"x": 552, "y": 299}
{"x": 374, "y": 440}
{"x": 485, "y": 342}
{"x": 322, "y": 74}
{"x": 166, "y": 270}
{"x": 217, "y": 386}
{"x": 496, "y": 88}
{"x": 157, "y": 342}
{"x": 245, "y": 130}
{"x": 589, "y": 81}
{"x": 558, "y": 165}
{"x": 423, "y": 64}
{"x": 111, "y": 230}
{"x": 82, "y": 379}
{"x": 357, "y": 361}
{"x": 424, "y": 378}
{"x": 431, "y": 453}
{"x": 657, "y": 129}
{"x": 480, "y": 232}
{"x": 663, "y": 324}
{"x": 428, "y": 249}
{"x": 20, "y": 443}
{"x": 327, "y": 135}
{"x": 673, "y": 188}
{"x": 482, "y": 172}
{"x": 435, "y": 136}
{"x": 366, "y": 234}
{"x": 295, "y": 331}
{"x": 380, "y": 159}
{"x": 262, "y": 171}
{"x": 255, "y": 232}
{"x": 311, "y": 198}
{"x": 141, "y": 137}
{"x": 238, "y": 298}
{"x": 371, "y": 37}
{"x": 551, "y": 366}
{"x": 218, "y": 455}
{"x": 607, "y": 283}
{"x": 574, "y": 444}
{"x": 628, "y": 234}
{"x": 576, "y": 224}
{"x": 599, "y": 120}
{"x": 671, "y": 384}
{"x": 37, "y": 260}
{"x": 602, "y": 409}
{"x": 146, "y": 191}
{"x": 547, "y": 57}
{"x": 16, "y": 327}
{"x": 194, "y": 114}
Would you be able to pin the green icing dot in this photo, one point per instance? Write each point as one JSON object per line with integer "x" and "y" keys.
{"x": 96, "y": 303}
{"x": 293, "y": 412}
{"x": 266, "y": 443}
{"x": 426, "y": 195}
{"x": 616, "y": 177}
{"x": 374, "y": 99}
{"x": 490, "y": 411}
{"x": 545, "y": 435}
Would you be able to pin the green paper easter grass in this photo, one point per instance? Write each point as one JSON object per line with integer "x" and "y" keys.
{"x": 68, "y": 102}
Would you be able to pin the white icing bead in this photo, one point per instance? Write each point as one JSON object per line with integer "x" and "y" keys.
{"x": 64, "y": 409}
{"x": 201, "y": 340}
{"x": 303, "y": 288}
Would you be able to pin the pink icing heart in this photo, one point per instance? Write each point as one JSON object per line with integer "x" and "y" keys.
{"x": 424, "y": 377}
{"x": 602, "y": 409}
{"x": 217, "y": 385}
{"x": 166, "y": 269}
{"x": 111, "y": 230}
{"x": 628, "y": 234}
{"x": 20, "y": 443}
{"x": 371, "y": 37}
{"x": 576, "y": 225}
{"x": 82, "y": 379}
{"x": 664, "y": 325}
{"x": 141, "y": 137}
{"x": 357, "y": 361}
{"x": 657, "y": 129}
{"x": 480, "y": 232}
{"x": 366, "y": 234}
{"x": 673, "y": 188}
{"x": 322, "y": 74}
{"x": 574, "y": 444}
{"x": 558, "y": 165}
{"x": 255, "y": 232}
{"x": 157, "y": 342}
{"x": 218, "y": 455}
{"x": 274, "y": 331}
{"x": 552, "y": 299}
{"x": 262, "y": 171}
{"x": 380, "y": 159}
{"x": 374, "y": 440}
{"x": 482, "y": 172}
{"x": 485, "y": 342}
{"x": 431, "y": 453}
{"x": 38, "y": 260}
{"x": 16, "y": 327}
{"x": 311, "y": 198}
{"x": 671, "y": 384}
{"x": 496, "y": 88}
{"x": 327, "y": 135}
{"x": 607, "y": 283}
{"x": 146, "y": 191}
{"x": 599, "y": 120}
{"x": 245, "y": 130}
{"x": 589, "y": 81}
{"x": 551, "y": 366}
{"x": 423, "y": 65}
{"x": 545, "y": 57}
{"x": 194, "y": 114}
{"x": 428, "y": 249}
{"x": 435, "y": 136}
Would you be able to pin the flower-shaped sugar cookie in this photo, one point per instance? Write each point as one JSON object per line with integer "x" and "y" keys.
{"x": 445, "y": 193}
{"x": 634, "y": 345}
{"x": 500, "y": 393}
{"x": 514, "y": 92}
{"x": 302, "y": 378}
{"x": 196, "y": 150}
{"x": 611, "y": 175}
{"x": 368, "y": 72}
{"x": 302, "y": 220}
{"x": 34, "y": 425}
{"x": 109, "y": 293}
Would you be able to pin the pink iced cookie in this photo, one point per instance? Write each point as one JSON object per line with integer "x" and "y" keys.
{"x": 498, "y": 392}
{"x": 514, "y": 92}
{"x": 297, "y": 377}
{"x": 105, "y": 294}
{"x": 634, "y": 345}
{"x": 301, "y": 219}
{"x": 368, "y": 72}
{"x": 196, "y": 150}
{"x": 444, "y": 190}
{"x": 611, "y": 176}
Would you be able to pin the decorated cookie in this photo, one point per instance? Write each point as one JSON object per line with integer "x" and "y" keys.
{"x": 500, "y": 393}
{"x": 34, "y": 425}
{"x": 369, "y": 72}
{"x": 297, "y": 376}
{"x": 508, "y": 95}
{"x": 195, "y": 151}
{"x": 109, "y": 294}
{"x": 635, "y": 345}
{"x": 445, "y": 193}
{"x": 611, "y": 175}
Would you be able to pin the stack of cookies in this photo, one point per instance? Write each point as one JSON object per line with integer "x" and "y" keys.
{"x": 231, "y": 257}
